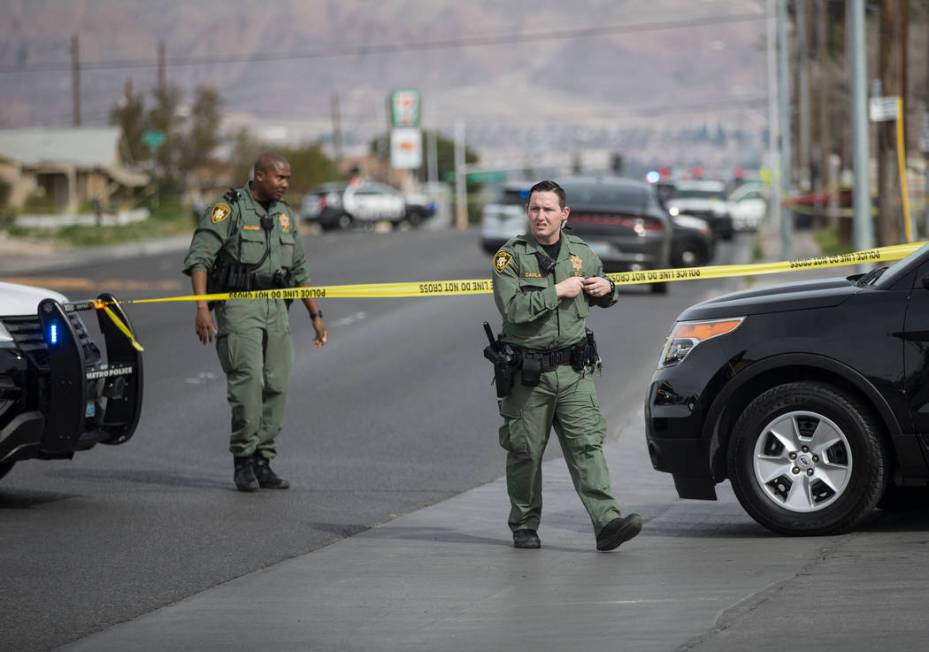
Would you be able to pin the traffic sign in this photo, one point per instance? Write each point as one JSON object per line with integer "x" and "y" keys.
{"x": 882, "y": 109}
{"x": 154, "y": 139}
{"x": 406, "y": 148}
{"x": 404, "y": 108}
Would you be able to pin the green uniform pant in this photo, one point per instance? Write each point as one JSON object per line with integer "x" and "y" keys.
{"x": 566, "y": 400}
{"x": 256, "y": 353}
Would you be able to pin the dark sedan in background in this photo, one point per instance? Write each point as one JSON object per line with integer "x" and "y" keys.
{"x": 620, "y": 219}
{"x": 812, "y": 398}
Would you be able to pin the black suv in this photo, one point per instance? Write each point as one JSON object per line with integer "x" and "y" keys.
{"x": 59, "y": 393}
{"x": 812, "y": 398}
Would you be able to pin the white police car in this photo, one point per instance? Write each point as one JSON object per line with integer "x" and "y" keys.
{"x": 59, "y": 393}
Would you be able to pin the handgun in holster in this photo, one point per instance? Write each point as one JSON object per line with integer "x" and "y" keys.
{"x": 505, "y": 361}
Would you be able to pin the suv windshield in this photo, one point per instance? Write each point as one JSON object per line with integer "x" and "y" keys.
{"x": 899, "y": 268}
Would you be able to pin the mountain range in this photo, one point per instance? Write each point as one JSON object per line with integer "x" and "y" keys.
{"x": 670, "y": 81}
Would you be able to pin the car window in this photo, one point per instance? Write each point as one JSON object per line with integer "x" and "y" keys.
{"x": 512, "y": 197}
{"x": 621, "y": 198}
{"x": 696, "y": 193}
{"x": 380, "y": 188}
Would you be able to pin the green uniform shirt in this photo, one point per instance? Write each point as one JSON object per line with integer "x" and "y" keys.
{"x": 235, "y": 226}
{"x": 533, "y": 317}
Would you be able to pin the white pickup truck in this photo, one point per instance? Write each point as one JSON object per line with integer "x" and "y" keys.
{"x": 59, "y": 393}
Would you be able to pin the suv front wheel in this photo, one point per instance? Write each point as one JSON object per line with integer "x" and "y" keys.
{"x": 805, "y": 458}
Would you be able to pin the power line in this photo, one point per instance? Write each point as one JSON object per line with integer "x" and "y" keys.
{"x": 389, "y": 48}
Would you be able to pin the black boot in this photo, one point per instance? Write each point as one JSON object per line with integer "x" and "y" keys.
{"x": 526, "y": 539}
{"x": 245, "y": 479}
{"x": 268, "y": 479}
{"x": 618, "y": 531}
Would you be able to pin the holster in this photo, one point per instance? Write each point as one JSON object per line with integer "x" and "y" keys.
{"x": 505, "y": 363}
{"x": 584, "y": 355}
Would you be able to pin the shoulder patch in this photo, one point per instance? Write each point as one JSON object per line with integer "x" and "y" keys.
{"x": 284, "y": 219}
{"x": 502, "y": 260}
{"x": 220, "y": 212}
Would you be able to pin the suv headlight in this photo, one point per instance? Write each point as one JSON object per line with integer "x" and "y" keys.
{"x": 687, "y": 335}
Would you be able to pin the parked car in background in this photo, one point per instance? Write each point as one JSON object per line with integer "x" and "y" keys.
{"x": 704, "y": 199}
{"x": 622, "y": 222}
{"x": 747, "y": 206}
{"x": 812, "y": 398}
{"x": 340, "y": 205}
{"x": 692, "y": 243}
{"x": 505, "y": 216}
{"x": 59, "y": 393}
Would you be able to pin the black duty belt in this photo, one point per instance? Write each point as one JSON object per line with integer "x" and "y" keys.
{"x": 549, "y": 359}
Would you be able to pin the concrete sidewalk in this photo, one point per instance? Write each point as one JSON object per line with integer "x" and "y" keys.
{"x": 447, "y": 578}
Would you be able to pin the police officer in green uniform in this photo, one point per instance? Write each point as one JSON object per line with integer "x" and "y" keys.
{"x": 248, "y": 240}
{"x": 544, "y": 284}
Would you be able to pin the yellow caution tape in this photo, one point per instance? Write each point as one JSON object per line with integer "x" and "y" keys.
{"x": 881, "y": 254}
{"x": 485, "y": 286}
{"x": 101, "y": 305}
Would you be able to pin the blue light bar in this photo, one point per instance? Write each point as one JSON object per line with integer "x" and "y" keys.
{"x": 53, "y": 333}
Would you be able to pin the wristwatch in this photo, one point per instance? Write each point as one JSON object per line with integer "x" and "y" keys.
{"x": 318, "y": 313}
{"x": 612, "y": 285}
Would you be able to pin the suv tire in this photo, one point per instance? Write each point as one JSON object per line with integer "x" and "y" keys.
{"x": 806, "y": 459}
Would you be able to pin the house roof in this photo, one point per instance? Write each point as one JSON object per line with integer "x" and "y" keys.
{"x": 96, "y": 147}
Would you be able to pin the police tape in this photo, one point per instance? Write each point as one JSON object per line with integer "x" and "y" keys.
{"x": 879, "y": 255}
{"x": 485, "y": 286}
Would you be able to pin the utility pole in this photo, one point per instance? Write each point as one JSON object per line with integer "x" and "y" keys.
{"x": 787, "y": 225}
{"x": 162, "y": 72}
{"x": 336, "y": 128}
{"x": 461, "y": 187}
{"x": 432, "y": 137}
{"x": 76, "y": 78}
{"x": 774, "y": 121}
{"x": 859, "y": 98}
{"x": 803, "y": 93}
{"x": 892, "y": 66}
{"x": 824, "y": 130}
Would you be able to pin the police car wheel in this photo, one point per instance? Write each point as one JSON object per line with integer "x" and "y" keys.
{"x": 344, "y": 221}
{"x": 659, "y": 288}
{"x": 5, "y": 468}
{"x": 806, "y": 458}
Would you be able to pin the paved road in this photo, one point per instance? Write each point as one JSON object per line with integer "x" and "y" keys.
{"x": 386, "y": 420}
{"x": 394, "y": 414}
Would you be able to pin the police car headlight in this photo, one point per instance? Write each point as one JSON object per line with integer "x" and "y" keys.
{"x": 688, "y": 335}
